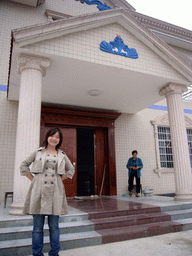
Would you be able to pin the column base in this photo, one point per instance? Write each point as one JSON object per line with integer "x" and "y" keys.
{"x": 16, "y": 209}
{"x": 183, "y": 197}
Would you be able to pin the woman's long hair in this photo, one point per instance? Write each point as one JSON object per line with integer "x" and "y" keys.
{"x": 51, "y": 132}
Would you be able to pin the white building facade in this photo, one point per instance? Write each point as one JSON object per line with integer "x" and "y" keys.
{"x": 55, "y": 71}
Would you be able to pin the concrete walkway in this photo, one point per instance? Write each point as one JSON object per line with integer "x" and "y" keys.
{"x": 174, "y": 244}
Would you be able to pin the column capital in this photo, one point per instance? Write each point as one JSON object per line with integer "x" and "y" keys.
{"x": 32, "y": 62}
{"x": 173, "y": 89}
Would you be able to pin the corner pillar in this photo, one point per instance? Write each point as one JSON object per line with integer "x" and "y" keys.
{"x": 181, "y": 160}
{"x": 32, "y": 69}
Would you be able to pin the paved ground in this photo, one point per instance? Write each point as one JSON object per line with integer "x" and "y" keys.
{"x": 174, "y": 244}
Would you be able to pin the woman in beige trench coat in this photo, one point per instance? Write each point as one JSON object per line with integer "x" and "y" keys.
{"x": 46, "y": 195}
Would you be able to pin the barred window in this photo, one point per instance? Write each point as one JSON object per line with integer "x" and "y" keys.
{"x": 165, "y": 147}
{"x": 189, "y": 137}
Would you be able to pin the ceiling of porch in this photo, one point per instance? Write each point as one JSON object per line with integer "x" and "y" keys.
{"x": 68, "y": 81}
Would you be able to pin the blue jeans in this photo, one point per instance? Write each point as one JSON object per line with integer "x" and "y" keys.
{"x": 37, "y": 234}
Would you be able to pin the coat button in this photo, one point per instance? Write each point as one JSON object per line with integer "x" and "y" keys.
{"x": 47, "y": 161}
{"x": 47, "y": 154}
{"x": 39, "y": 158}
{"x": 45, "y": 182}
{"x": 54, "y": 161}
{"x": 51, "y": 182}
{"x": 46, "y": 168}
{"x": 53, "y": 175}
{"x": 54, "y": 155}
{"x": 53, "y": 169}
{"x": 45, "y": 175}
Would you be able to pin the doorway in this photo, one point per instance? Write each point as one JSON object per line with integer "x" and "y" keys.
{"x": 94, "y": 130}
{"x": 85, "y": 162}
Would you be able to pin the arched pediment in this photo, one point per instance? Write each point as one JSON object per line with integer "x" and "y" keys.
{"x": 164, "y": 121}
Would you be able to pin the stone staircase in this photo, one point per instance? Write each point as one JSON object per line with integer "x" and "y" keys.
{"x": 181, "y": 214}
{"x": 126, "y": 225}
{"x": 97, "y": 227}
{"x": 75, "y": 231}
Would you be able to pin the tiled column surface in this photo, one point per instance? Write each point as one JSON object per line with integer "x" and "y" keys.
{"x": 28, "y": 123}
{"x": 182, "y": 167}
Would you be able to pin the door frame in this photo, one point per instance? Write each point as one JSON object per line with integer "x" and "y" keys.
{"x": 78, "y": 117}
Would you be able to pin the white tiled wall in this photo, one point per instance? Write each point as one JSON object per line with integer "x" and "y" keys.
{"x": 84, "y": 45}
{"x": 8, "y": 124}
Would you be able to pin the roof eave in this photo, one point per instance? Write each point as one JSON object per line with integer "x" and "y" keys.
{"x": 162, "y": 26}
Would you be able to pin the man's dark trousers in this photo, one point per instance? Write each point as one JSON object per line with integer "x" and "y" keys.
{"x": 131, "y": 178}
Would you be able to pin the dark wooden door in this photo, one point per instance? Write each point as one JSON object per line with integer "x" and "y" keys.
{"x": 101, "y": 161}
{"x": 55, "y": 115}
{"x": 69, "y": 147}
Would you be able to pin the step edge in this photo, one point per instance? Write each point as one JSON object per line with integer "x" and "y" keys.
{"x": 144, "y": 225}
{"x": 28, "y": 241}
{"x": 29, "y": 228}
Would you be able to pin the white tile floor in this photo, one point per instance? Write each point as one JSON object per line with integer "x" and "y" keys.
{"x": 160, "y": 201}
{"x": 4, "y": 212}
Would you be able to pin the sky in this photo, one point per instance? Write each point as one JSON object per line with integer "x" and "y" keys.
{"x": 176, "y": 12}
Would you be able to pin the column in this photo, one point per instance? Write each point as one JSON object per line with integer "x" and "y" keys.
{"x": 32, "y": 69}
{"x": 181, "y": 161}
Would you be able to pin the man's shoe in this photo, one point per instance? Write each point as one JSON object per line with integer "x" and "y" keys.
{"x": 137, "y": 195}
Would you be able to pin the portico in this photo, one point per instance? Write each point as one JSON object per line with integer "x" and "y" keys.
{"x": 72, "y": 67}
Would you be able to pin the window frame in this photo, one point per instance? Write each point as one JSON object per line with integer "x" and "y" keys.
{"x": 163, "y": 121}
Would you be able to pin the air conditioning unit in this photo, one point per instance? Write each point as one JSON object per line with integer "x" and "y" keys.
{"x": 33, "y": 3}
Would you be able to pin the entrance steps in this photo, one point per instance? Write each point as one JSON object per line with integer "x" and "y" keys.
{"x": 107, "y": 220}
{"x": 75, "y": 231}
{"x": 126, "y": 225}
{"x": 181, "y": 214}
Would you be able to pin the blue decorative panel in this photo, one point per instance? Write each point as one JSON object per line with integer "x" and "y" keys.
{"x": 164, "y": 108}
{"x": 118, "y": 47}
{"x": 100, "y": 6}
{"x": 3, "y": 88}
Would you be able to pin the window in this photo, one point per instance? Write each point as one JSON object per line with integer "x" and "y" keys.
{"x": 189, "y": 137}
{"x": 165, "y": 147}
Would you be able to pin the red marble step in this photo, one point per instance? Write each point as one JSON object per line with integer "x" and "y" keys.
{"x": 130, "y": 220}
{"x": 115, "y": 213}
{"x": 139, "y": 231}
{"x": 105, "y": 206}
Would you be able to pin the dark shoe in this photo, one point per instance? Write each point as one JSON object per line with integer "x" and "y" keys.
{"x": 131, "y": 193}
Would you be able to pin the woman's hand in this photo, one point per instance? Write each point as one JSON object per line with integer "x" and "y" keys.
{"x": 30, "y": 176}
{"x": 64, "y": 177}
